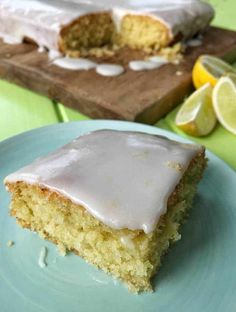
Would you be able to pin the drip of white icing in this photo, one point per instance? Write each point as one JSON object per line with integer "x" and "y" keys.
{"x": 10, "y": 39}
{"x": 144, "y": 65}
{"x": 121, "y": 178}
{"x": 85, "y": 64}
{"x": 109, "y": 70}
{"x": 74, "y": 63}
{"x": 42, "y": 257}
{"x": 194, "y": 42}
{"x": 54, "y": 54}
{"x": 41, "y": 49}
{"x": 158, "y": 59}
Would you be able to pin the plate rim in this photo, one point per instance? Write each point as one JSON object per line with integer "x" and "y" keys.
{"x": 172, "y": 135}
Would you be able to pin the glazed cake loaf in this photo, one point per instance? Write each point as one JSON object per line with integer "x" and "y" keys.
{"x": 76, "y": 28}
{"x": 57, "y": 26}
{"x": 115, "y": 198}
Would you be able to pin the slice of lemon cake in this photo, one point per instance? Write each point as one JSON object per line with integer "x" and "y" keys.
{"x": 76, "y": 28}
{"x": 115, "y": 198}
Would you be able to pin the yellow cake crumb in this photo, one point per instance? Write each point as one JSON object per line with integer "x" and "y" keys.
{"x": 96, "y": 35}
{"x": 175, "y": 165}
{"x": 62, "y": 249}
{"x": 10, "y": 243}
{"x": 91, "y": 31}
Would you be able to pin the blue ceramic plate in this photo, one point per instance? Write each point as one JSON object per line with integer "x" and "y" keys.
{"x": 198, "y": 274}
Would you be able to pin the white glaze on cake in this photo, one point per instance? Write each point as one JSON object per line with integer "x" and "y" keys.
{"x": 122, "y": 178}
{"x": 43, "y": 20}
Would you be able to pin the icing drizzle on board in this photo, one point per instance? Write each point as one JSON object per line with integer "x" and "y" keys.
{"x": 74, "y": 63}
{"x": 108, "y": 70}
{"x": 124, "y": 179}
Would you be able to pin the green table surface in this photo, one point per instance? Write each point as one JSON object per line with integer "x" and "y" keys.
{"x": 22, "y": 110}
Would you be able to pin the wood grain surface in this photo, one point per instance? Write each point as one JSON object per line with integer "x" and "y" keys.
{"x": 137, "y": 96}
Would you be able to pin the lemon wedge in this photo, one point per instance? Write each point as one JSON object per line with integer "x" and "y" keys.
{"x": 196, "y": 116}
{"x": 208, "y": 68}
{"x": 224, "y": 103}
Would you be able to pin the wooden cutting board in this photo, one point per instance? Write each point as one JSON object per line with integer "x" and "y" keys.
{"x": 137, "y": 96}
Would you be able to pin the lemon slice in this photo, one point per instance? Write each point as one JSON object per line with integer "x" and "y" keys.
{"x": 196, "y": 116}
{"x": 224, "y": 103}
{"x": 232, "y": 77}
{"x": 209, "y": 69}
